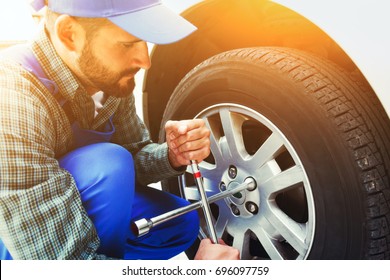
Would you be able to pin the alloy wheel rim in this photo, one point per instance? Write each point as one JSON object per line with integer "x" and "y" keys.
{"x": 262, "y": 223}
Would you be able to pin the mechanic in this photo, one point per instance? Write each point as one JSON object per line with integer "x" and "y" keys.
{"x": 75, "y": 160}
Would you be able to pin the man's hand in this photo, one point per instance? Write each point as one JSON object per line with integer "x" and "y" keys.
{"x": 209, "y": 251}
{"x": 187, "y": 140}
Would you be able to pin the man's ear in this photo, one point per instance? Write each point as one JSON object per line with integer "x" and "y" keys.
{"x": 69, "y": 32}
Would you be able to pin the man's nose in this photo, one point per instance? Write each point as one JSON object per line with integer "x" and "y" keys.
{"x": 142, "y": 59}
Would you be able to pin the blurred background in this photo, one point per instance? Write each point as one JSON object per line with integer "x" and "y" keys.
{"x": 18, "y": 22}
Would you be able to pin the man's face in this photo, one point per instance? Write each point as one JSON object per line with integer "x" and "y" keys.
{"x": 110, "y": 60}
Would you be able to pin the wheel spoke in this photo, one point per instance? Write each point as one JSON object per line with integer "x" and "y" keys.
{"x": 223, "y": 218}
{"x": 282, "y": 181}
{"x": 214, "y": 141}
{"x": 267, "y": 242}
{"x": 208, "y": 171}
{"x": 268, "y": 171}
{"x": 267, "y": 151}
{"x": 294, "y": 233}
{"x": 191, "y": 193}
{"x": 241, "y": 242}
{"x": 232, "y": 127}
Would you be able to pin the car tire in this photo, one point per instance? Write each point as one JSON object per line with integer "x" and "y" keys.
{"x": 314, "y": 138}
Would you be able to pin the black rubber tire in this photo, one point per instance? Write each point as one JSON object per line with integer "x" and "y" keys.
{"x": 335, "y": 123}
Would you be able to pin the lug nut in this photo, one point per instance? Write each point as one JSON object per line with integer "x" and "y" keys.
{"x": 232, "y": 171}
{"x": 222, "y": 186}
{"x": 252, "y": 207}
{"x": 235, "y": 209}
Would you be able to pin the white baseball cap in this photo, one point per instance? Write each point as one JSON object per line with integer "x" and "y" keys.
{"x": 148, "y": 20}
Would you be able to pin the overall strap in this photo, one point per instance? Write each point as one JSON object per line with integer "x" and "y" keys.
{"x": 26, "y": 58}
{"x": 23, "y": 55}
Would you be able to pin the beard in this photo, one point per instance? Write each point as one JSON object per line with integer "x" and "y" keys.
{"x": 117, "y": 84}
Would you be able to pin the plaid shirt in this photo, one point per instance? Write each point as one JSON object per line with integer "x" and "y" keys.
{"x": 41, "y": 215}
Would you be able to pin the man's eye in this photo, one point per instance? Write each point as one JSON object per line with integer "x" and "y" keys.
{"x": 128, "y": 45}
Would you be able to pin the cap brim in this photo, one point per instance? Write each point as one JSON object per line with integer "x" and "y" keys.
{"x": 157, "y": 24}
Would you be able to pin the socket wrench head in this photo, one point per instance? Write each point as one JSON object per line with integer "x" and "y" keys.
{"x": 141, "y": 227}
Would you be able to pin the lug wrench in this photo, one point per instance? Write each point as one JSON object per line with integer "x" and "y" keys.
{"x": 143, "y": 226}
{"x": 205, "y": 203}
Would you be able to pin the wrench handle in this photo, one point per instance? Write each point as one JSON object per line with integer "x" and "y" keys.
{"x": 205, "y": 203}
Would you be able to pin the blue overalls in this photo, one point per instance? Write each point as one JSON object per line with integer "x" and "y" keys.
{"x": 108, "y": 191}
